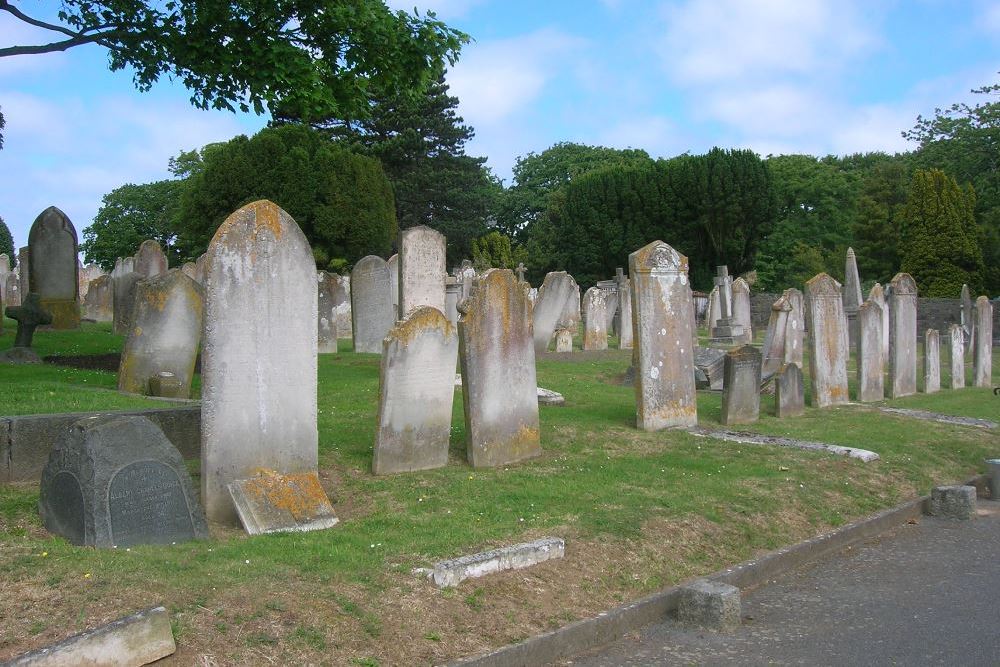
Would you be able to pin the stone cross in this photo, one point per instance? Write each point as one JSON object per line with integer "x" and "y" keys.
{"x": 29, "y": 316}
{"x": 521, "y": 268}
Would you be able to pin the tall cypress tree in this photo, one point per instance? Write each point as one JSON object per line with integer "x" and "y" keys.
{"x": 7, "y": 242}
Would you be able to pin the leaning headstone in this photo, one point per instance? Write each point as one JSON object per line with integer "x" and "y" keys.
{"x": 967, "y": 317}
{"x": 416, "y": 391}
{"x": 709, "y": 365}
{"x": 663, "y": 320}
{"x": 956, "y": 356}
{"x": 165, "y": 332}
{"x": 902, "y": 336}
{"x": 270, "y": 502}
{"x": 789, "y": 392}
{"x": 773, "y": 348}
{"x": 877, "y": 294}
{"x": 498, "y": 371}
{"x": 393, "y": 263}
{"x": 625, "y": 333}
{"x": 12, "y": 297}
{"x": 871, "y": 384}
{"x": 982, "y": 356}
{"x": 421, "y": 269}
{"x": 852, "y": 295}
{"x": 564, "y": 340}
{"x": 53, "y": 244}
{"x": 372, "y": 309}
{"x": 828, "y": 351}
{"x": 741, "y": 389}
{"x": 714, "y": 311}
{"x": 150, "y": 261}
{"x": 932, "y": 361}
{"x": 29, "y": 315}
{"x": 328, "y": 284}
{"x": 741, "y": 309}
{"x": 595, "y": 319}
{"x": 795, "y": 328}
{"x": 259, "y": 354}
{"x": 557, "y": 289}
{"x": 117, "y": 480}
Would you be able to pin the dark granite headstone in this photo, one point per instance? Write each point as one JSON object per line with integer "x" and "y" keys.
{"x": 117, "y": 481}
{"x": 29, "y": 315}
{"x": 789, "y": 392}
{"x": 741, "y": 391}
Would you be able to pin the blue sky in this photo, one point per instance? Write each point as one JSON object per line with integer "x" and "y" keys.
{"x": 776, "y": 76}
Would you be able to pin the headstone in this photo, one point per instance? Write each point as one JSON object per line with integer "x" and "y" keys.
{"x": 773, "y": 348}
{"x": 421, "y": 269}
{"x": 932, "y": 361}
{"x": 828, "y": 351}
{"x": 610, "y": 289}
{"x": 165, "y": 332}
{"x": 498, "y": 371}
{"x": 595, "y": 319}
{"x": 150, "y": 261}
{"x": 982, "y": 355}
{"x": 98, "y": 305}
{"x": 871, "y": 384}
{"x": 902, "y": 336}
{"x": 89, "y": 274}
{"x": 201, "y": 268}
{"x": 393, "y": 263}
{"x": 571, "y": 316}
{"x": 709, "y": 364}
{"x": 117, "y": 480}
{"x": 557, "y": 290}
{"x": 741, "y": 309}
{"x": 520, "y": 271}
{"x": 467, "y": 276}
{"x": 877, "y": 294}
{"x": 123, "y": 282}
{"x": 259, "y": 354}
{"x": 564, "y": 340}
{"x": 663, "y": 320}
{"x": 452, "y": 294}
{"x": 53, "y": 244}
{"x": 4, "y": 263}
{"x": 342, "y": 308}
{"x": 795, "y": 328}
{"x": 328, "y": 285}
{"x": 190, "y": 269}
{"x": 956, "y": 356}
{"x": 625, "y": 315}
{"x": 5, "y": 272}
{"x": 270, "y": 502}
{"x": 29, "y": 315}
{"x": 23, "y": 269}
{"x": 852, "y": 295}
{"x": 714, "y": 311}
{"x": 967, "y": 316}
{"x": 12, "y": 297}
{"x": 741, "y": 389}
{"x": 372, "y": 310}
{"x": 416, "y": 392}
{"x": 167, "y": 385}
{"x": 727, "y": 331}
{"x": 789, "y": 392}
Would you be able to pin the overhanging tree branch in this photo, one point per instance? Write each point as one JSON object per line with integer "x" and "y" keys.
{"x": 55, "y": 46}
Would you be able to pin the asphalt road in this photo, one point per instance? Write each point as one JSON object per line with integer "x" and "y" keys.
{"x": 924, "y": 594}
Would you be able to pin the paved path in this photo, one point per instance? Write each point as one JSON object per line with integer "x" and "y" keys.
{"x": 924, "y": 594}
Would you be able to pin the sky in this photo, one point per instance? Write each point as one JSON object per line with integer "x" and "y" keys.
{"x": 668, "y": 76}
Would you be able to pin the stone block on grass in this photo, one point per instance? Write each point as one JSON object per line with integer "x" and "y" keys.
{"x": 275, "y": 503}
{"x": 710, "y": 604}
{"x": 449, "y": 573}
{"x": 953, "y": 502}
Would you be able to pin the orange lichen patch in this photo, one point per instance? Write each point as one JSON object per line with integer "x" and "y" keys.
{"x": 421, "y": 321}
{"x": 301, "y": 495}
{"x": 262, "y": 213}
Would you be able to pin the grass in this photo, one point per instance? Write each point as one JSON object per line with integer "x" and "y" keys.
{"x": 639, "y": 511}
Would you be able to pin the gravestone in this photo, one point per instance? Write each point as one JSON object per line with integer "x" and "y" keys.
{"x": 150, "y": 261}
{"x": 625, "y": 333}
{"x": 564, "y": 340}
{"x": 123, "y": 282}
{"x": 595, "y": 319}
{"x": 956, "y": 356}
{"x": 967, "y": 318}
{"x": 452, "y": 294}
{"x": 98, "y": 305}
{"x": 828, "y": 351}
{"x": 88, "y": 274}
{"x": 259, "y": 354}
{"x": 117, "y": 481}
{"x": 727, "y": 331}
{"x": 270, "y": 502}
{"x": 520, "y": 271}
{"x": 498, "y": 371}
{"x": 741, "y": 309}
{"x": 795, "y": 328}
{"x": 421, "y": 269}
{"x": 5, "y": 272}
{"x": 467, "y": 276}
{"x": 393, "y": 263}
{"x": 328, "y": 285}
{"x": 852, "y": 296}
{"x": 416, "y": 392}
{"x": 342, "y": 308}
{"x": 714, "y": 310}
{"x": 773, "y": 349}
{"x": 709, "y": 364}
{"x": 871, "y": 365}
{"x": 165, "y": 332}
{"x": 932, "y": 361}
{"x": 789, "y": 392}
{"x": 902, "y": 336}
{"x": 663, "y": 355}
{"x": 877, "y": 294}
{"x": 571, "y": 316}
{"x": 982, "y": 355}
{"x": 201, "y": 268}
{"x": 12, "y": 297}
{"x": 23, "y": 270}
{"x": 610, "y": 289}
{"x": 53, "y": 268}
{"x": 558, "y": 288}
{"x": 29, "y": 315}
{"x": 372, "y": 310}
{"x": 741, "y": 388}
{"x": 190, "y": 269}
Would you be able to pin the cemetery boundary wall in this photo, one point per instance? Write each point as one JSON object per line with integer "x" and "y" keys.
{"x": 25, "y": 440}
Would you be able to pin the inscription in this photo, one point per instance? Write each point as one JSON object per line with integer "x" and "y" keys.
{"x": 147, "y": 505}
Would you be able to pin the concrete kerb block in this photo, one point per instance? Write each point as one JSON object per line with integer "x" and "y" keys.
{"x": 450, "y": 573}
{"x": 953, "y": 502}
{"x": 713, "y": 605}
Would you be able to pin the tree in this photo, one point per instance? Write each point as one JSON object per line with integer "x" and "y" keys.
{"x": 320, "y": 57}
{"x": 7, "y": 242}
{"x": 128, "y": 216}
{"x": 940, "y": 249}
{"x": 342, "y": 201}
{"x": 494, "y": 251}
{"x": 876, "y": 227}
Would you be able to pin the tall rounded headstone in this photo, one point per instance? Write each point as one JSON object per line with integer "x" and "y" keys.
{"x": 421, "y": 269}
{"x": 372, "y": 310}
{"x": 956, "y": 356}
{"x": 328, "y": 284}
{"x": 828, "y": 347}
{"x": 259, "y": 354}
{"x": 595, "y": 306}
{"x": 557, "y": 289}
{"x": 902, "y": 336}
{"x": 982, "y": 356}
{"x": 150, "y": 260}
{"x": 123, "y": 282}
{"x": 870, "y": 363}
{"x": 53, "y": 246}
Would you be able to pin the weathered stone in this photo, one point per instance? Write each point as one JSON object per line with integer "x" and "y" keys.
{"x": 167, "y": 385}
{"x": 982, "y": 355}
{"x": 828, "y": 351}
{"x": 943, "y": 419}
{"x": 24, "y": 269}
{"x": 393, "y": 264}
{"x": 448, "y": 573}
{"x": 467, "y": 276}
{"x": 342, "y": 308}
{"x": 165, "y": 332}
{"x": 610, "y": 289}
{"x": 773, "y": 349}
{"x": 871, "y": 383}
{"x": 416, "y": 392}
{"x": 956, "y": 356}
{"x": 421, "y": 269}
{"x": 953, "y": 502}
{"x": 771, "y": 440}
{"x": 795, "y": 328}
{"x": 190, "y": 269}
{"x": 625, "y": 333}
{"x": 709, "y": 364}
{"x": 89, "y": 274}
{"x": 727, "y": 331}
{"x": 967, "y": 318}
{"x": 372, "y": 309}
{"x": 4, "y": 272}
{"x": 571, "y": 316}
{"x": 12, "y": 296}
{"x": 663, "y": 356}
{"x": 932, "y": 361}
{"x": 98, "y": 305}
{"x": 150, "y": 261}
{"x": 123, "y": 282}
{"x": 29, "y": 315}
{"x": 741, "y": 309}
{"x": 741, "y": 389}
{"x": 270, "y": 502}
{"x": 595, "y": 319}
{"x": 117, "y": 481}
{"x": 329, "y": 294}
{"x": 714, "y": 311}
{"x": 452, "y": 295}
{"x": 557, "y": 289}
{"x": 564, "y": 340}
{"x": 789, "y": 392}
{"x": 877, "y": 294}
{"x": 498, "y": 369}
{"x": 259, "y": 354}
{"x": 902, "y": 336}
{"x": 710, "y": 604}
{"x": 53, "y": 268}
{"x": 520, "y": 271}
{"x": 201, "y": 268}
{"x": 852, "y": 296}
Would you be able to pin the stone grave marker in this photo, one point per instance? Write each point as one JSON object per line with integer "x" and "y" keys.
{"x": 53, "y": 267}
{"x": 452, "y": 294}
{"x": 564, "y": 340}
{"x": 714, "y": 311}
{"x": 557, "y": 289}
{"x": 24, "y": 270}
{"x": 727, "y": 331}
{"x": 610, "y": 289}
{"x": 967, "y": 316}
{"x": 571, "y": 316}
{"x": 88, "y": 274}
{"x": 773, "y": 348}
{"x": 625, "y": 333}
{"x": 165, "y": 333}
{"x": 466, "y": 275}
{"x": 416, "y": 392}
{"x": 871, "y": 383}
{"x": 498, "y": 371}
{"x": 741, "y": 389}
{"x": 5, "y": 272}
{"x": 342, "y": 308}
{"x": 12, "y": 296}
{"x": 270, "y": 502}
{"x": 595, "y": 319}
{"x": 877, "y": 294}
{"x": 123, "y": 282}
{"x": 902, "y": 336}
{"x": 190, "y": 269}
{"x": 328, "y": 284}
{"x": 150, "y": 261}
{"x": 956, "y": 356}
{"x": 828, "y": 351}
{"x": 663, "y": 355}
{"x": 393, "y": 263}
{"x": 29, "y": 315}
{"x": 372, "y": 310}
{"x": 741, "y": 309}
{"x": 852, "y": 296}
{"x": 795, "y": 328}
{"x": 201, "y": 268}
{"x": 421, "y": 269}
{"x": 789, "y": 392}
{"x": 982, "y": 357}
{"x": 259, "y": 354}
{"x": 932, "y": 361}
{"x": 115, "y": 480}
{"x": 98, "y": 305}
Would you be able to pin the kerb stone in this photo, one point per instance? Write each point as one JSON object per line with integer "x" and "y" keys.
{"x": 953, "y": 502}
{"x": 711, "y": 605}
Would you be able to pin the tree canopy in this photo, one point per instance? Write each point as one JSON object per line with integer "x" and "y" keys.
{"x": 7, "y": 242}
